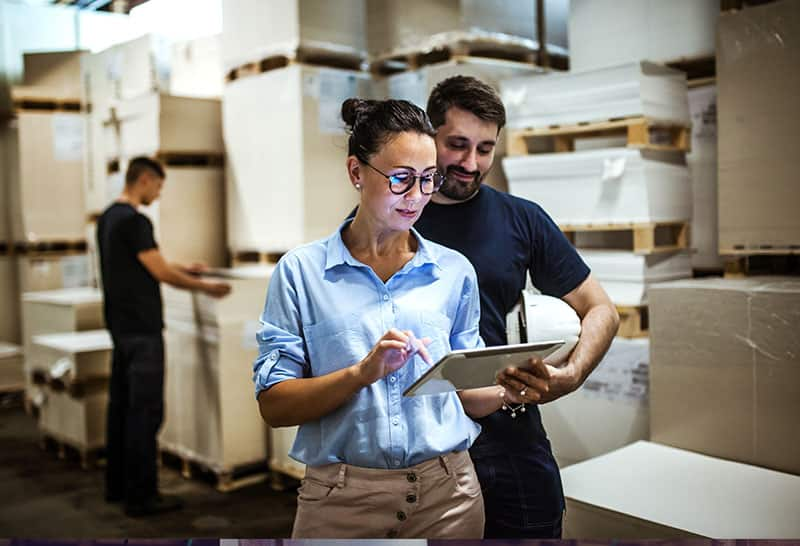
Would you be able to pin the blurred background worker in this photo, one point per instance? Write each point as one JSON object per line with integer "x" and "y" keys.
{"x": 132, "y": 268}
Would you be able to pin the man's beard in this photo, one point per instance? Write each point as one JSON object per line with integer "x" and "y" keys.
{"x": 457, "y": 189}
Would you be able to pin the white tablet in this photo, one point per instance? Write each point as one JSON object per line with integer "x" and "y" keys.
{"x": 474, "y": 368}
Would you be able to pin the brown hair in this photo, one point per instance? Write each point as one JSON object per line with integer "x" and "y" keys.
{"x": 139, "y": 165}
{"x": 469, "y": 94}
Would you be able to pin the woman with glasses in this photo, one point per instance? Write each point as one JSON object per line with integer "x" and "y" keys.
{"x": 349, "y": 323}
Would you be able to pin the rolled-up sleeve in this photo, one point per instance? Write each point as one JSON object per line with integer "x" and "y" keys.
{"x": 281, "y": 349}
{"x": 465, "y": 332}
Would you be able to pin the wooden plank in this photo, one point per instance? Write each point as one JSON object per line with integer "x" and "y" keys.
{"x": 647, "y": 237}
{"x": 633, "y": 321}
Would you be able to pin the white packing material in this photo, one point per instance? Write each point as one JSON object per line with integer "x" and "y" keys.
{"x": 625, "y": 276}
{"x": 610, "y": 186}
{"x": 609, "y": 32}
{"x": 633, "y": 89}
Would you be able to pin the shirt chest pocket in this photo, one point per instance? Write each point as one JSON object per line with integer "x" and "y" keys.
{"x": 336, "y": 342}
{"x": 436, "y": 326}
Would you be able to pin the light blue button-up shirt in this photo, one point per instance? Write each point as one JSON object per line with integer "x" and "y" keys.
{"x": 325, "y": 311}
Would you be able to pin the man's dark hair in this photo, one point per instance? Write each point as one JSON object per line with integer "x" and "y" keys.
{"x": 139, "y": 165}
{"x": 469, "y": 94}
{"x": 373, "y": 123}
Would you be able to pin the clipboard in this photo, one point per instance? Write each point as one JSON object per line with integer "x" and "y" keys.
{"x": 475, "y": 368}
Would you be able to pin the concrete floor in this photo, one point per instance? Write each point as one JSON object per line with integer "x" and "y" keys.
{"x": 42, "y": 496}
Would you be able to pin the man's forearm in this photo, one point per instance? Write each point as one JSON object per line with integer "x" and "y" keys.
{"x": 598, "y": 328}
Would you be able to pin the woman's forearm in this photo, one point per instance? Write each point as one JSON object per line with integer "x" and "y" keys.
{"x": 481, "y": 402}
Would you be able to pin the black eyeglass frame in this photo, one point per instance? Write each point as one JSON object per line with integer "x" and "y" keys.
{"x": 438, "y": 180}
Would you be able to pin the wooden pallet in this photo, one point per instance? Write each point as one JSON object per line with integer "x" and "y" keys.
{"x": 314, "y": 56}
{"x": 787, "y": 263}
{"x": 254, "y": 257}
{"x": 89, "y": 457}
{"x": 45, "y": 104}
{"x": 50, "y": 247}
{"x": 647, "y": 238}
{"x": 640, "y": 132}
{"x": 633, "y": 321}
{"x": 461, "y": 48}
{"x": 224, "y": 481}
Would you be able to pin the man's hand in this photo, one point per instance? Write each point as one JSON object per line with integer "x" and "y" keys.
{"x": 526, "y": 384}
{"x": 216, "y": 289}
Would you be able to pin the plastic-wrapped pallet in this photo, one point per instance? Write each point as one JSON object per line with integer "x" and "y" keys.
{"x": 286, "y": 181}
{"x": 211, "y": 414}
{"x": 74, "y": 359}
{"x": 417, "y": 85}
{"x": 625, "y": 276}
{"x": 255, "y": 29}
{"x": 609, "y": 186}
{"x": 78, "y": 420}
{"x": 634, "y": 89}
{"x": 609, "y": 411}
{"x": 52, "y": 271}
{"x": 605, "y": 33}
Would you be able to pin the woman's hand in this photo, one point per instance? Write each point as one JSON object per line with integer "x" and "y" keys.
{"x": 391, "y": 353}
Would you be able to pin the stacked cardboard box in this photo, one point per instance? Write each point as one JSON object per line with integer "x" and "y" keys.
{"x": 758, "y": 85}
{"x": 605, "y": 33}
{"x": 286, "y": 181}
{"x": 608, "y": 185}
{"x": 210, "y": 345}
{"x": 76, "y": 367}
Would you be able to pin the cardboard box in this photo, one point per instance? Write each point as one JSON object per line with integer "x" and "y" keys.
{"x": 297, "y": 172}
{"x": 77, "y": 421}
{"x": 758, "y": 85}
{"x": 52, "y": 271}
{"x": 12, "y": 373}
{"x": 702, "y": 163}
{"x": 651, "y": 491}
{"x": 255, "y": 29}
{"x": 58, "y": 72}
{"x": 725, "y": 368}
{"x": 57, "y": 311}
{"x": 628, "y": 90}
{"x": 605, "y": 33}
{"x": 189, "y": 217}
{"x": 609, "y": 411}
{"x": 626, "y": 276}
{"x": 156, "y": 122}
{"x": 45, "y": 157}
{"x": 9, "y": 295}
{"x": 607, "y": 186}
{"x": 210, "y": 416}
{"x": 74, "y": 357}
{"x": 418, "y": 25}
{"x": 197, "y": 68}
{"x": 416, "y": 86}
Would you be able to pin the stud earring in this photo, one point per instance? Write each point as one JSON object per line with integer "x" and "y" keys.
{"x": 358, "y": 186}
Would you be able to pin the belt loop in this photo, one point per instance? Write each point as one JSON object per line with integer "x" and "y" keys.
{"x": 340, "y": 481}
{"x": 445, "y": 464}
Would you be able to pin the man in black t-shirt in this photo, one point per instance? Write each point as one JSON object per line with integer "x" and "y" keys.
{"x": 507, "y": 238}
{"x": 132, "y": 268}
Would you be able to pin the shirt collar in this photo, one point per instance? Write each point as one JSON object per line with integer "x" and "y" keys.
{"x": 338, "y": 254}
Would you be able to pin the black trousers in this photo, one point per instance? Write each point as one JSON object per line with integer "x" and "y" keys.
{"x": 135, "y": 414}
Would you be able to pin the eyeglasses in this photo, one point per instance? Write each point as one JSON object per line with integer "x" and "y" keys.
{"x": 402, "y": 181}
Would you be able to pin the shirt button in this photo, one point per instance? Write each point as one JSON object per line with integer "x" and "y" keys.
{"x": 392, "y": 379}
{"x": 397, "y": 462}
{"x": 411, "y": 477}
{"x": 386, "y": 297}
{"x": 411, "y": 499}
{"x": 395, "y": 421}
{"x": 402, "y": 516}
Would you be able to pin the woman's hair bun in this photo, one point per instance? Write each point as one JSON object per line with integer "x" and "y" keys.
{"x": 350, "y": 110}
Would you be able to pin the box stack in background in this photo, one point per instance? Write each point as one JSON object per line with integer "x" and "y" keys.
{"x": 211, "y": 416}
{"x": 72, "y": 381}
{"x": 724, "y": 352}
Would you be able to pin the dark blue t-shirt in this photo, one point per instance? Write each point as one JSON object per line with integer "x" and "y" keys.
{"x": 506, "y": 238}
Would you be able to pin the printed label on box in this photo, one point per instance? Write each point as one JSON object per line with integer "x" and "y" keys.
{"x": 623, "y": 374}
{"x": 334, "y": 89}
{"x": 68, "y": 136}
{"x": 75, "y": 271}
